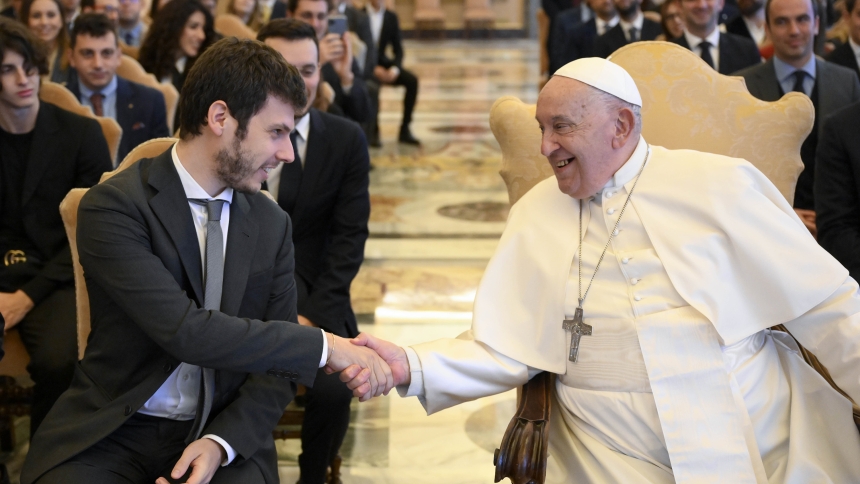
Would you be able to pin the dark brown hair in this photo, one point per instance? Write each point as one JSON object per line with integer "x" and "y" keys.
{"x": 288, "y": 29}
{"x": 292, "y": 5}
{"x": 243, "y": 74}
{"x": 95, "y": 25}
{"x": 17, "y": 38}
{"x": 158, "y": 52}
{"x": 62, "y": 36}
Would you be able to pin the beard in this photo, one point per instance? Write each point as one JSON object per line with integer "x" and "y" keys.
{"x": 235, "y": 168}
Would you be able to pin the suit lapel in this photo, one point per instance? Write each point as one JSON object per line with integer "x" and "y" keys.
{"x": 170, "y": 205}
{"x": 42, "y": 151}
{"x": 314, "y": 161}
{"x": 241, "y": 241}
{"x": 725, "y": 55}
{"x": 124, "y": 110}
{"x": 768, "y": 83}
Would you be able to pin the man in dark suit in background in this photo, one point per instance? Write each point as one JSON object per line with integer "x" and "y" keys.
{"x": 848, "y": 54}
{"x": 45, "y": 151}
{"x": 837, "y": 188}
{"x": 572, "y": 38}
{"x": 792, "y": 26}
{"x": 325, "y": 193}
{"x": 386, "y": 32}
{"x": 139, "y": 110}
{"x": 632, "y": 27}
{"x": 727, "y": 53}
{"x": 749, "y": 22}
{"x": 193, "y": 354}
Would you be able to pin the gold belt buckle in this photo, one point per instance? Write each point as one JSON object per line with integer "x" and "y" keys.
{"x": 14, "y": 257}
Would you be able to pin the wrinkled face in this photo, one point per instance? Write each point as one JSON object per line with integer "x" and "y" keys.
{"x": 854, "y": 23}
{"x": 45, "y": 20}
{"x": 604, "y": 8}
{"x": 792, "y": 27}
{"x": 96, "y": 60}
{"x": 314, "y": 13}
{"x": 108, "y": 8}
{"x": 129, "y": 11}
{"x": 673, "y": 20}
{"x": 303, "y": 55}
{"x": 244, "y": 164}
{"x": 243, "y": 7}
{"x": 20, "y": 86}
{"x": 193, "y": 35}
{"x": 576, "y": 136}
{"x": 701, "y": 15}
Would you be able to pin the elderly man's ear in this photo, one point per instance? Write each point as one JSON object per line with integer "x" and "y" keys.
{"x": 625, "y": 127}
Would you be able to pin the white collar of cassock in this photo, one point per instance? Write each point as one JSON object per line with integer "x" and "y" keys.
{"x": 630, "y": 168}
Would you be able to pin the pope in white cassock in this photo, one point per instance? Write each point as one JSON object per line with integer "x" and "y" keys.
{"x": 679, "y": 262}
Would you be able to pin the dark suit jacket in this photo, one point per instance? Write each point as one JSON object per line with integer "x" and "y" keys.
{"x": 390, "y": 35}
{"x": 140, "y": 112}
{"x": 570, "y": 38}
{"x": 68, "y": 151}
{"x": 844, "y": 56}
{"x": 356, "y": 106}
{"x": 358, "y": 22}
{"x": 736, "y": 52}
{"x": 614, "y": 38}
{"x": 140, "y": 253}
{"x": 279, "y": 10}
{"x": 330, "y": 220}
{"x": 838, "y": 87}
{"x": 837, "y": 188}
{"x": 737, "y": 26}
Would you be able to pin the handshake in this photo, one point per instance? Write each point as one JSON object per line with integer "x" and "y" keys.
{"x": 369, "y": 366}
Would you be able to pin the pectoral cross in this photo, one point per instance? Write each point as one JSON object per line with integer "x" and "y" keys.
{"x": 577, "y": 329}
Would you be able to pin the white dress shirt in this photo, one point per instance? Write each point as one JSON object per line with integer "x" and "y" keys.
{"x": 636, "y": 23}
{"x": 713, "y": 38}
{"x": 756, "y": 31}
{"x": 109, "y": 101}
{"x": 375, "y": 22}
{"x": 856, "y": 48}
{"x": 303, "y": 127}
{"x": 604, "y": 25}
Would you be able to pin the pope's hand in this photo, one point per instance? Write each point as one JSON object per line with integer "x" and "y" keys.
{"x": 376, "y": 378}
{"x": 394, "y": 356}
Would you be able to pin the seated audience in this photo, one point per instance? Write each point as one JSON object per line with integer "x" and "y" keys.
{"x": 573, "y": 42}
{"x": 562, "y": 25}
{"x": 385, "y": 28}
{"x": 131, "y": 29}
{"x": 246, "y": 10}
{"x": 45, "y": 19}
{"x": 632, "y": 27}
{"x": 181, "y": 31}
{"x": 189, "y": 366}
{"x": 108, "y": 8}
{"x": 45, "y": 151}
{"x": 71, "y": 9}
{"x": 338, "y": 68}
{"x": 749, "y": 22}
{"x": 791, "y": 26}
{"x": 139, "y": 110}
{"x": 11, "y": 11}
{"x": 837, "y": 188}
{"x": 553, "y": 9}
{"x": 848, "y": 54}
{"x": 726, "y": 53}
{"x": 329, "y": 231}
{"x": 670, "y": 20}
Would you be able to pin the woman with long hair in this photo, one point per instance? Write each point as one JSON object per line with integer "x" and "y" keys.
{"x": 180, "y": 32}
{"x": 45, "y": 19}
{"x": 247, "y": 10}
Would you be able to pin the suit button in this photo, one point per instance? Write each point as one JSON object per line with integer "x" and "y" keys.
{"x": 272, "y": 372}
{"x": 295, "y": 376}
{"x": 168, "y": 367}
{"x": 127, "y": 410}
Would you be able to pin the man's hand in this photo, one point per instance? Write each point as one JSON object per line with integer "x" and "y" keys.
{"x": 386, "y": 76}
{"x": 14, "y": 306}
{"x": 306, "y": 322}
{"x": 808, "y": 218}
{"x": 337, "y": 50}
{"x": 374, "y": 372}
{"x": 394, "y": 356}
{"x": 204, "y": 456}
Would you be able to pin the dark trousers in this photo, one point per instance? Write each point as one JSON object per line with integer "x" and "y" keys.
{"x": 324, "y": 427}
{"x": 49, "y": 333}
{"x": 410, "y": 82}
{"x": 140, "y": 451}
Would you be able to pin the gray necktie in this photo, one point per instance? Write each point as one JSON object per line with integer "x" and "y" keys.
{"x": 634, "y": 34}
{"x": 214, "y": 280}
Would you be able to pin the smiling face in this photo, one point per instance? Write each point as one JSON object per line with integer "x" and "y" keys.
{"x": 314, "y": 13}
{"x": 45, "y": 20}
{"x": 193, "y": 35}
{"x": 303, "y": 55}
{"x": 700, "y": 16}
{"x": 20, "y": 86}
{"x": 792, "y": 27}
{"x": 579, "y": 136}
{"x": 244, "y": 164}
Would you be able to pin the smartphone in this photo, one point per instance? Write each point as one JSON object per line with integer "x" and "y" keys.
{"x": 337, "y": 24}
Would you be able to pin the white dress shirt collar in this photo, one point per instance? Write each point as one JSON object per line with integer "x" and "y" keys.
{"x": 604, "y": 25}
{"x": 193, "y": 189}
{"x": 856, "y": 48}
{"x": 637, "y": 23}
{"x": 630, "y": 168}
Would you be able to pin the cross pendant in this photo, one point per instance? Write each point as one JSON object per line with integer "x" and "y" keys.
{"x": 578, "y": 329}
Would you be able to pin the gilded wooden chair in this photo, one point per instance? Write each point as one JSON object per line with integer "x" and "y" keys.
{"x": 478, "y": 15}
{"x": 130, "y": 69}
{"x": 686, "y": 105}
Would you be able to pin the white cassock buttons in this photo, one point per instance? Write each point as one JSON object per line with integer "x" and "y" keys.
{"x": 609, "y": 195}
{"x": 615, "y": 232}
{"x": 625, "y": 260}
{"x": 634, "y": 281}
{"x": 610, "y": 211}
{"x": 637, "y": 298}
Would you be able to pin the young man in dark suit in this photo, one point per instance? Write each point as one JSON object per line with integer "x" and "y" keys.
{"x": 572, "y": 39}
{"x": 632, "y": 27}
{"x": 848, "y": 54}
{"x": 139, "y": 110}
{"x": 726, "y": 53}
{"x": 193, "y": 353}
{"x": 45, "y": 151}
{"x": 837, "y": 188}
{"x": 792, "y": 26}
{"x": 749, "y": 22}
{"x": 325, "y": 193}
{"x": 386, "y": 33}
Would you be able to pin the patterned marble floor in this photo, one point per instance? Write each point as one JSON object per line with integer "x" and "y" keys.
{"x": 436, "y": 215}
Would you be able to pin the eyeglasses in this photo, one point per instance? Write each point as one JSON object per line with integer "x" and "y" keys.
{"x": 129, "y": 1}
{"x": 108, "y": 9}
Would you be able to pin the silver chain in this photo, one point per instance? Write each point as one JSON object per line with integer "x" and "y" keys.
{"x": 611, "y": 234}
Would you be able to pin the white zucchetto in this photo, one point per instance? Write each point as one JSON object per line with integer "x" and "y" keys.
{"x": 603, "y": 75}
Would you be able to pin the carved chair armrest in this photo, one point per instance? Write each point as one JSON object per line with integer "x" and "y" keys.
{"x": 523, "y": 453}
